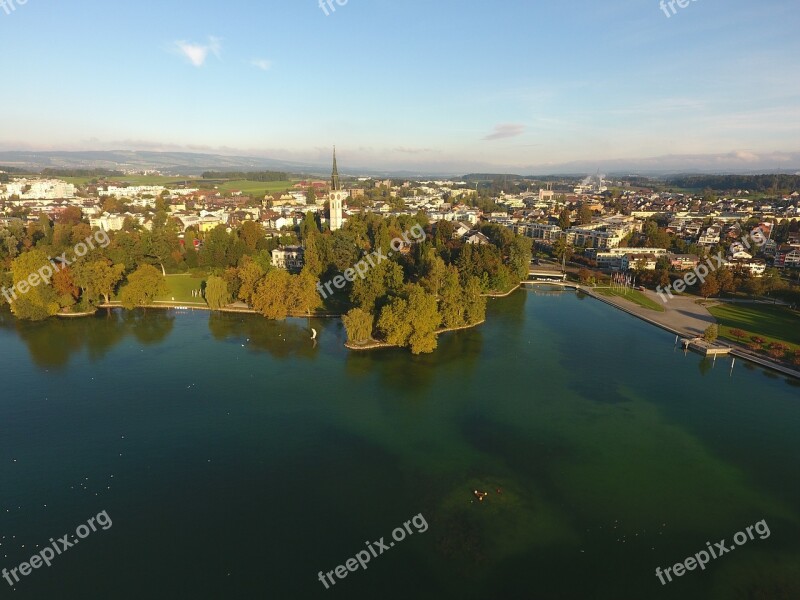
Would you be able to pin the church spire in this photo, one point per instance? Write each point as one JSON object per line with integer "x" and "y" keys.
{"x": 335, "y": 185}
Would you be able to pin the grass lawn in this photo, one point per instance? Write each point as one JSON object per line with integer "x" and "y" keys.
{"x": 256, "y": 188}
{"x": 180, "y": 288}
{"x": 252, "y": 188}
{"x": 773, "y": 323}
{"x": 634, "y": 296}
{"x": 131, "y": 179}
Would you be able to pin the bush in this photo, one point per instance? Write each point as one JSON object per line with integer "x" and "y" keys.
{"x": 738, "y": 334}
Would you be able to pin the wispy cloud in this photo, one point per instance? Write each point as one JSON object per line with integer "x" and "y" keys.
{"x": 407, "y": 150}
{"x": 198, "y": 53}
{"x": 505, "y": 130}
{"x": 261, "y": 63}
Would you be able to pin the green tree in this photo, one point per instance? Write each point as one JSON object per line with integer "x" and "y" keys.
{"x": 144, "y": 285}
{"x": 564, "y": 219}
{"x": 711, "y": 333}
{"x": 385, "y": 278}
{"x": 585, "y": 215}
{"x": 358, "y": 323}
{"x": 250, "y": 275}
{"x": 251, "y": 233}
{"x": 311, "y": 195}
{"x": 411, "y": 321}
{"x": 217, "y": 293}
{"x": 271, "y": 297}
{"x": 520, "y": 251}
{"x": 98, "y": 278}
{"x": 434, "y": 272}
{"x": 474, "y": 302}
{"x": 452, "y": 305}
{"x": 561, "y": 249}
{"x": 36, "y": 302}
{"x": 303, "y": 295}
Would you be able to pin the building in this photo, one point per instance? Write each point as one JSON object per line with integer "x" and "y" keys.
{"x": 289, "y": 258}
{"x": 336, "y": 197}
{"x": 477, "y": 239}
{"x": 547, "y": 195}
{"x": 787, "y": 256}
{"x": 540, "y": 231}
{"x": 684, "y": 262}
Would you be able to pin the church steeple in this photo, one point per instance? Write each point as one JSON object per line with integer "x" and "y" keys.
{"x": 335, "y": 184}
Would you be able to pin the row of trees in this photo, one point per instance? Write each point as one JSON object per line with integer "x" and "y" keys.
{"x": 435, "y": 282}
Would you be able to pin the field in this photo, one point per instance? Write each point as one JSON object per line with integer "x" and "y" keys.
{"x": 773, "y": 323}
{"x": 634, "y": 296}
{"x": 180, "y": 288}
{"x": 256, "y": 188}
{"x": 251, "y": 188}
{"x": 131, "y": 179}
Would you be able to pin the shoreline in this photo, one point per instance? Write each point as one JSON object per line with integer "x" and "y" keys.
{"x": 375, "y": 344}
{"x": 736, "y": 350}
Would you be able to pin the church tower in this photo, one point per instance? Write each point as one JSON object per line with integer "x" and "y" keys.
{"x": 337, "y": 197}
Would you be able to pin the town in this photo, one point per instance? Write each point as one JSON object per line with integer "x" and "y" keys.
{"x": 610, "y": 225}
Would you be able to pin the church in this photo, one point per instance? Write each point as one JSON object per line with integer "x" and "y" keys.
{"x": 336, "y": 197}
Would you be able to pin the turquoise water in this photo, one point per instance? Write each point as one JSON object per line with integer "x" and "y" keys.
{"x": 237, "y": 459}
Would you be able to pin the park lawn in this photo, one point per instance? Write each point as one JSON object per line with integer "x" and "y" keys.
{"x": 771, "y": 322}
{"x": 255, "y": 188}
{"x": 133, "y": 179}
{"x": 180, "y": 288}
{"x": 634, "y": 296}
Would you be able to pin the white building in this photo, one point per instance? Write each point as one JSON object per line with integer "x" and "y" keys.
{"x": 336, "y": 197}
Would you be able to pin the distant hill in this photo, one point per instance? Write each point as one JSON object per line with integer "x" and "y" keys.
{"x": 169, "y": 163}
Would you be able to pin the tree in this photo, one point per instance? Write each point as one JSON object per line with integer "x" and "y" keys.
{"x": 98, "y": 278}
{"x": 217, "y": 293}
{"x": 144, "y": 285}
{"x": 434, "y": 272}
{"x": 311, "y": 195}
{"x": 309, "y": 227}
{"x": 520, "y": 252}
{"x": 37, "y": 302}
{"x": 251, "y": 233}
{"x": 71, "y": 215}
{"x": 585, "y": 215}
{"x": 564, "y": 219}
{"x": 64, "y": 285}
{"x": 710, "y": 287}
{"x": 250, "y": 275}
{"x": 385, "y": 278}
{"x": 303, "y": 295}
{"x": 738, "y": 334}
{"x": 584, "y": 274}
{"x": 725, "y": 280}
{"x": 271, "y": 297}
{"x": 561, "y": 249}
{"x": 358, "y": 323}
{"x": 711, "y": 333}
{"x": 474, "y": 302}
{"x": 411, "y": 321}
{"x": 777, "y": 350}
{"x": 452, "y": 297}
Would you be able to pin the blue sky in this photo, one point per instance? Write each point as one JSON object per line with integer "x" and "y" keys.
{"x": 405, "y": 83}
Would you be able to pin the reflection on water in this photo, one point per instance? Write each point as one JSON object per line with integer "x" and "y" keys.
{"x": 282, "y": 339}
{"x": 53, "y": 342}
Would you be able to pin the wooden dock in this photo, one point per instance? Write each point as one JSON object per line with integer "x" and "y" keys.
{"x": 701, "y": 346}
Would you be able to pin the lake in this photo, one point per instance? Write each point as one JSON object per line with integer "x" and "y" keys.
{"x": 236, "y": 458}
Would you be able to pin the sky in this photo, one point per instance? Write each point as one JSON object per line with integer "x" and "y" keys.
{"x": 516, "y": 86}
